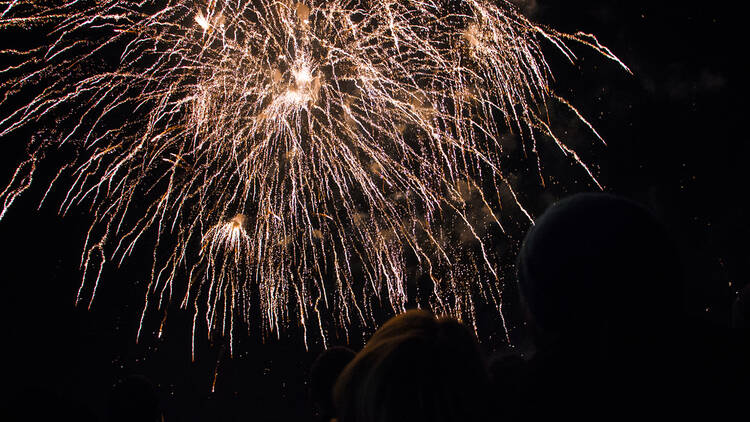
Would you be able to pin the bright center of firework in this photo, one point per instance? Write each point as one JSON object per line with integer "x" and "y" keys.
{"x": 230, "y": 235}
{"x": 202, "y": 21}
{"x": 305, "y": 87}
{"x": 303, "y": 77}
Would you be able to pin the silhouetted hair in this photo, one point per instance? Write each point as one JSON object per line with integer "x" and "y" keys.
{"x": 415, "y": 368}
{"x": 134, "y": 399}
{"x": 323, "y": 375}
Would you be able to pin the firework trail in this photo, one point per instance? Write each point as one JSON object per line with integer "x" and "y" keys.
{"x": 296, "y": 152}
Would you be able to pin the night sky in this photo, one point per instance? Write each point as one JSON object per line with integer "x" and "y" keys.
{"x": 673, "y": 145}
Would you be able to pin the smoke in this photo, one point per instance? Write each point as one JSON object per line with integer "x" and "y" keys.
{"x": 528, "y": 7}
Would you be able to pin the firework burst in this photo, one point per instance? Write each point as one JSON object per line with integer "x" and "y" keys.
{"x": 299, "y": 151}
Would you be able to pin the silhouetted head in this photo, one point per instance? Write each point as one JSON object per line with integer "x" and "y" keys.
{"x": 323, "y": 375}
{"x": 415, "y": 368}
{"x": 134, "y": 399}
{"x": 596, "y": 263}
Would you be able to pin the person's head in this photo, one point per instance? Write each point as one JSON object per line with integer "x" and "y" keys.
{"x": 134, "y": 399}
{"x": 415, "y": 368}
{"x": 323, "y": 374}
{"x": 598, "y": 264}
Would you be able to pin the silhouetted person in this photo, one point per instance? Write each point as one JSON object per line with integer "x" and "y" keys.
{"x": 134, "y": 399}
{"x": 323, "y": 374}
{"x": 415, "y": 368}
{"x": 601, "y": 283}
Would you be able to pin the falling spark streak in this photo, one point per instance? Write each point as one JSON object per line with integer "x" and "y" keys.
{"x": 296, "y": 153}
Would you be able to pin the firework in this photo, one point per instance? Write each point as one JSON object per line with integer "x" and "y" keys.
{"x": 301, "y": 152}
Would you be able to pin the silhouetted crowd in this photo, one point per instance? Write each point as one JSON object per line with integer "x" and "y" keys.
{"x": 601, "y": 287}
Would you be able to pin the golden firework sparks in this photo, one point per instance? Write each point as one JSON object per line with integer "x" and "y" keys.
{"x": 300, "y": 150}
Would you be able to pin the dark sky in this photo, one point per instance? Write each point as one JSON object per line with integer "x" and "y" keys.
{"x": 673, "y": 145}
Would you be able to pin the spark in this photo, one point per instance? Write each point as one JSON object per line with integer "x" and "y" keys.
{"x": 202, "y": 21}
{"x": 299, "y": 153}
